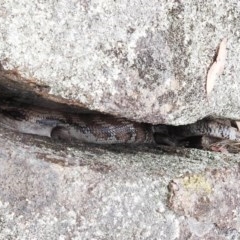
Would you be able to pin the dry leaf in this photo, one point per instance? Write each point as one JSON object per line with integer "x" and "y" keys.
{"x": 222, "y": 55}
{"x": 238, "y": 125}
{"x": 218, "y": 66}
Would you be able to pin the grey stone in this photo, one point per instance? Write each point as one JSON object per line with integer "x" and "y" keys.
{"x": 144, "y": 60}
{"x": 51, "y": 190}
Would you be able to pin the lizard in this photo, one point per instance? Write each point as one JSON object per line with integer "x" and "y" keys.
{"x": 106, "y": 129}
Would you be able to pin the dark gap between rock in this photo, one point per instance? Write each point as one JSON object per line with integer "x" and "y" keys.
{"x": 19, "y": 93}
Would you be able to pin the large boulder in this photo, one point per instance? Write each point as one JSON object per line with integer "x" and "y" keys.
{"x": 144, "y": 60}
{"x": 56, "y": 191}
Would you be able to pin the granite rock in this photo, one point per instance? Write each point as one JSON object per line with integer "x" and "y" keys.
{"x": 146, "y": 61}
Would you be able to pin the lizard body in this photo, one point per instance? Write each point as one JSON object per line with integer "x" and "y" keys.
{"x": 105, "y": 129}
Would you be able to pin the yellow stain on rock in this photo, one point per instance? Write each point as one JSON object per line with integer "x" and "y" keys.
{"x": 197, "y": 183}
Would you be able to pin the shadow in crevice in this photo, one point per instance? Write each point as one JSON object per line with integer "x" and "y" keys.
{"x": 16, "y": 90}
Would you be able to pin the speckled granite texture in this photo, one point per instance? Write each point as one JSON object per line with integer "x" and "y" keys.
{"x": 54, "y": 191}
{"x": 144, "y": 60}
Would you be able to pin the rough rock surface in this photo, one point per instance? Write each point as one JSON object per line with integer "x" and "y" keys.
{"x": 144, "y": 60}
{"x": 53, "y": 191}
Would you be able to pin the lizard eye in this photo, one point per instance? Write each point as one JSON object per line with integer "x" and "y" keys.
{"x": 60, "y": 133}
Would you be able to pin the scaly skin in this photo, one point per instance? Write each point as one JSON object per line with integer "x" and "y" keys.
{"x": 207, "y": 127}
{"x": 105, "y": 129}
{"x": 92, "y": 128}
